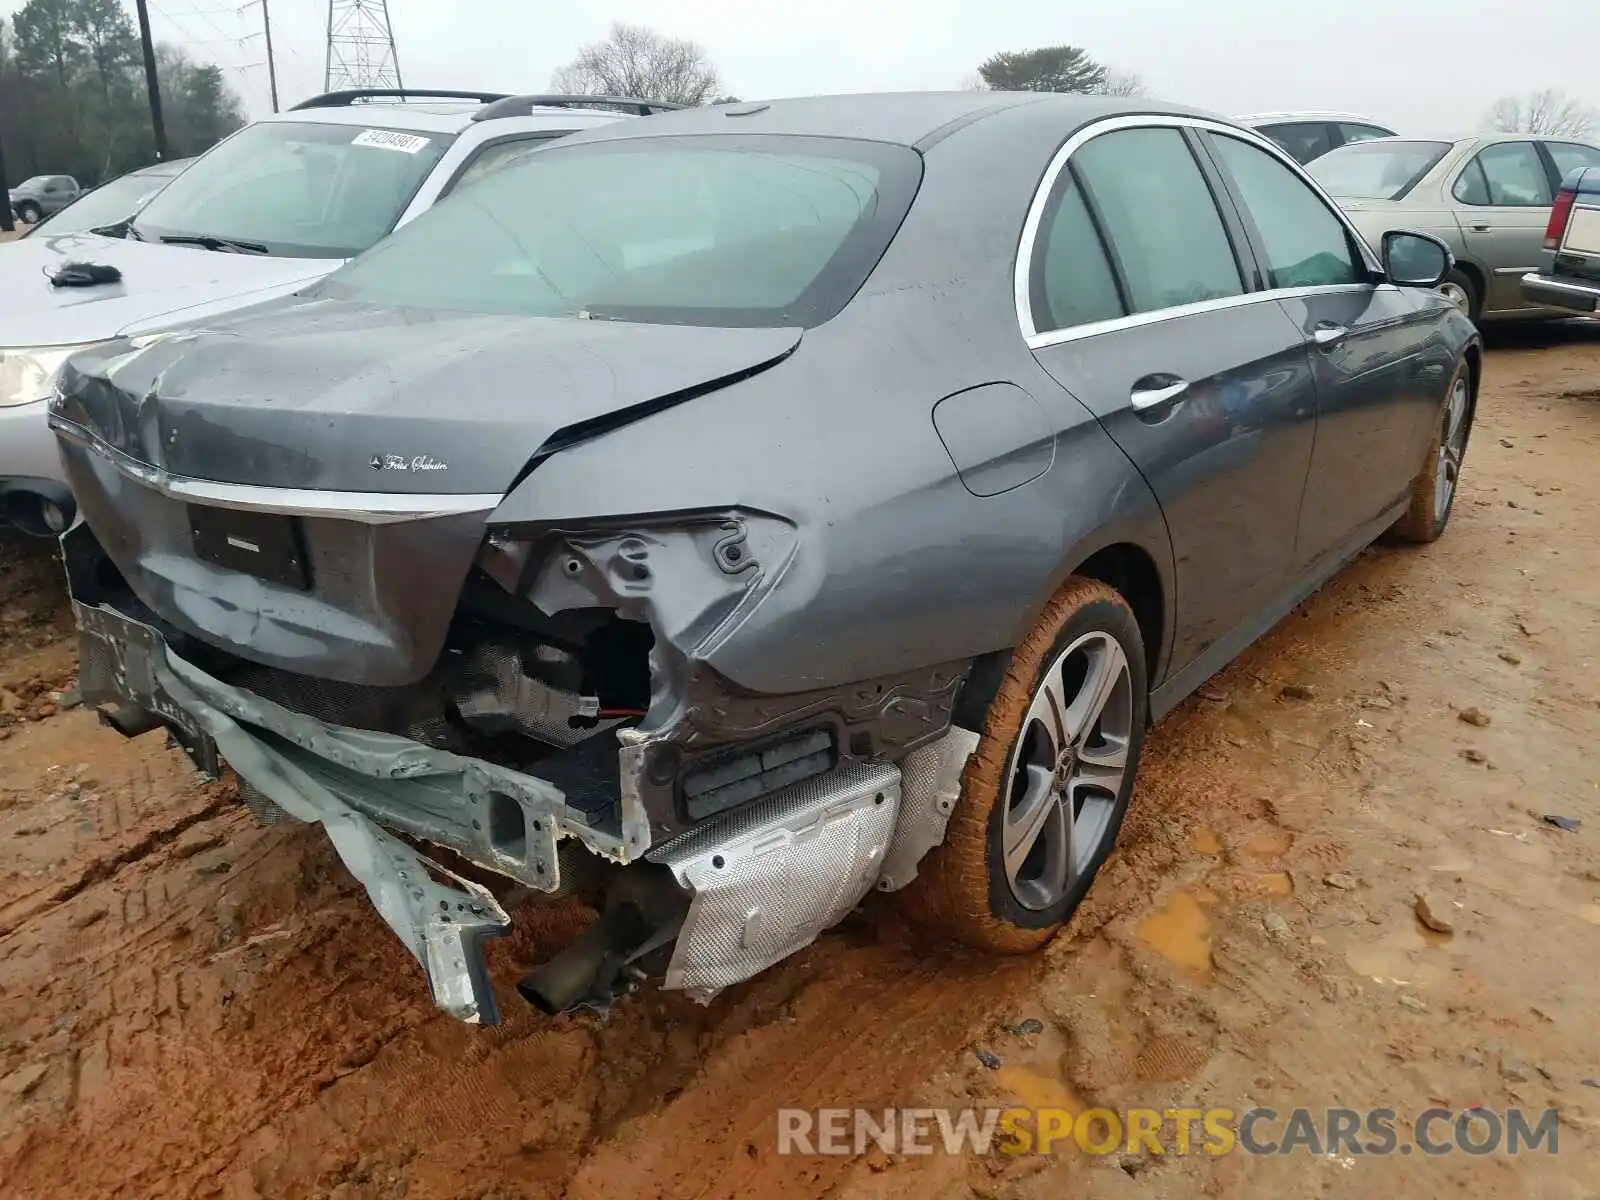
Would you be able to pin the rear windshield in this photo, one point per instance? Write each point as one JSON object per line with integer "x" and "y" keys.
{"x": 721, "y": 230}
{"x": 109, "y": 204}
{"x": 1385, "y": 169}
{"x": 301, "y": 189}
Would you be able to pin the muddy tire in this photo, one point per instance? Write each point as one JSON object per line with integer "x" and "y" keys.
{"x": 1082, "y": 672}
{"x": 1433, "y": 492}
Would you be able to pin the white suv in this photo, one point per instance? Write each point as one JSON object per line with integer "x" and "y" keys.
{"x": 273, "y": 207}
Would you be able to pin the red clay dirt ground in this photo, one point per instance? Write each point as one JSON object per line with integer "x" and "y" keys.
{"x": 191, "y": 1005}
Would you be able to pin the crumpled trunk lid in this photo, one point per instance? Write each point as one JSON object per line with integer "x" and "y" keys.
{"x": 347, "y": 397}
{"x": 251, "y": 482}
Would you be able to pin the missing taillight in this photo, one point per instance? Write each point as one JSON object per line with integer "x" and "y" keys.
{"x": 1559, "y": 216}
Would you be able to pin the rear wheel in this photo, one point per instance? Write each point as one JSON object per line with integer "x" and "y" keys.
{"x": 1433, "y": 493}
{"x": 1045, "y": 792}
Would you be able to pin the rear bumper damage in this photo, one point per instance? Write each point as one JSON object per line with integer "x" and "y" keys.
{"x": 743, "y": 890}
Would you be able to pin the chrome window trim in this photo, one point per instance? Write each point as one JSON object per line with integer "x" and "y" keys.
{"x": 1054, "y": 337}
{"x": 1022, "y": 269}
{"x": 371, "y": 508}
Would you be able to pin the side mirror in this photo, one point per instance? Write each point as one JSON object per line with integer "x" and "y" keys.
{"x": 1415, "y": 259}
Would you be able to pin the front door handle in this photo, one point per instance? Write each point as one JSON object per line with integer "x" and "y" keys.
{"x": 1328, "y": 334}
{"x": 1481, "y": 227}
{"x": 1144, "y": 399}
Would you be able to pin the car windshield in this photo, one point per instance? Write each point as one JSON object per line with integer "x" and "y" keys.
{"x": 727, "y": 230}
{"x": 109, "y": 205}
{"x": 302, "y": 189}
{"x": 33, "y": 183}
{"x": 1383, "y": 169}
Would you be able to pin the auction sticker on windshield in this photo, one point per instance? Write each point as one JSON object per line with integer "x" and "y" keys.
{"x": 388, "y": 139}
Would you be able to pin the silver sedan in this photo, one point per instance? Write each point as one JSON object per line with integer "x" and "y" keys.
{"x": 1488, "y": 197}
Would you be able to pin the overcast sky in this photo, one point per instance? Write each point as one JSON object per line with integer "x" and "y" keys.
{"x": 1422, "y": 65}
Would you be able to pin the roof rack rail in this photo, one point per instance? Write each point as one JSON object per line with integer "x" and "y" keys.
{"x": 355, "y": 95}
{"x": 522, "y": 106}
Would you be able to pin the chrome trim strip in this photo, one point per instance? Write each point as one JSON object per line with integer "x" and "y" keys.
{"x": 372, "y": 508}
{"x": 1022, "y": 268}
{"x": 1038, "y": 341}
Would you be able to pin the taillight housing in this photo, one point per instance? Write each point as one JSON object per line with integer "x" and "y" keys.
{"x": 1559, "y": 216}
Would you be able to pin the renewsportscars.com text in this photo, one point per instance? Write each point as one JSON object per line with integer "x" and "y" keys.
{"x": 1177, "y": 1131}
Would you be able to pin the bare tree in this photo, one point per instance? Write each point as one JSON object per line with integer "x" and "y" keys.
{"x": 974, "y": 83}
{"x": 635, "y": 61}
{"x": 1550, "y": 111}
{"x": 1123, "y": 83}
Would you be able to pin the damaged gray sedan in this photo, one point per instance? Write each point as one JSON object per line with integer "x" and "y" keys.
{"x": 726, "y": 513}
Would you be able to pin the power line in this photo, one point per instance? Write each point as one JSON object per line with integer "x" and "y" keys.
{"x": 188, "y": 36}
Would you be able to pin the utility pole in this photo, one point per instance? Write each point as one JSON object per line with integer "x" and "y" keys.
{"x": 272, "y": 67}
{"x": 156, "y": 124}
{"x": 5, "y": 189}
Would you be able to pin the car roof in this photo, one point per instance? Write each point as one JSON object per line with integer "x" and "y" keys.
{"x": 916, "y": 119}
{"x": 1307, "y": 115}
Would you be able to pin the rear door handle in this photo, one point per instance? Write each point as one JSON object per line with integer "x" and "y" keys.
{"x": 1481, "y": 227}
{"x": 1328, "y": 334}
{"x": 1144, "y": 399}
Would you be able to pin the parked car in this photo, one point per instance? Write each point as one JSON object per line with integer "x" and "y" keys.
{"x": 1488, "y": 197}
{"x": 107, "y": 208}
{"x": 1569, "y": 277}
{"x": 1309, "y": 135}
{"x": 271, "y": 208}
{"x": 710, "y": 501}
{"x": 36, "y": 198}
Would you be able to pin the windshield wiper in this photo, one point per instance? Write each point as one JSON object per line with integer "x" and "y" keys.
{"x": 210, "y": 242}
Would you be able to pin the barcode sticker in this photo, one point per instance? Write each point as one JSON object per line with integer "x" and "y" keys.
{"x": 388, "y": 139}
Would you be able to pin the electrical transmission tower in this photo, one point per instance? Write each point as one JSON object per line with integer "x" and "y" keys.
{"x": 360, "y": 46}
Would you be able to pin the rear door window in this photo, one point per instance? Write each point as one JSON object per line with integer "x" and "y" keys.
{"x": 1506, "y": 175}
{"x": 1306, "y": 244}
{"x": 1305, "y": 140}
{"x": 1160, "y": 218}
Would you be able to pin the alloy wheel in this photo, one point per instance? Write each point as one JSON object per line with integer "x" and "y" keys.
{"x": 1067, "y": 770}
{"x": 1457, "y": 295}
{"x": 1452, "y": 448}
